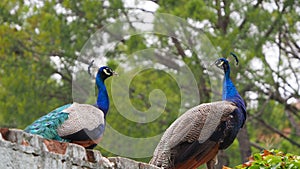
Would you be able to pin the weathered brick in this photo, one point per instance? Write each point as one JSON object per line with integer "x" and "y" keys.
{"x": 27, "y": 151}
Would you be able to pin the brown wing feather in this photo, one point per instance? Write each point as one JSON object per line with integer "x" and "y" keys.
{"x": 80, "y": 116}
{"x": 208, "y": 152}
{"x": 195, "y": 125}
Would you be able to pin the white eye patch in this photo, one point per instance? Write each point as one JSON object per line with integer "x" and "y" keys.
{"x": 221, "y": 63}
{"x": 106, "y": 72}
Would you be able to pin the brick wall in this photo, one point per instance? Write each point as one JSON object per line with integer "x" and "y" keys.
{"x": 20, "y": 150}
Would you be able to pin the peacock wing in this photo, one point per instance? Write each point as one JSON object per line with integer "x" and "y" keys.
{"x": 197, "y": 124}
{"x": 46, "y": 126}
{"x": 85, "y": 122}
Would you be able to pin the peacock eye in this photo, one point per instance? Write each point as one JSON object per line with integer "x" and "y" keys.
{"x": 106, "y": 71}
{"x": 221, "y": 63}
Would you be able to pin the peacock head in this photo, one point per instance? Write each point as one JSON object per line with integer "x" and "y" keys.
{"x": 103, "y": 72}
{"x": 223, "y": 63}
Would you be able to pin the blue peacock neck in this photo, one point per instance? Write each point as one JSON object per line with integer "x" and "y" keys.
{"x": 102, "y": 99}
{"x": 229, "y": 90}
{"x": 231, "y": 94}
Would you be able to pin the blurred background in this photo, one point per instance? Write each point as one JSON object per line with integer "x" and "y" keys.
{"x": 42, "y": 40}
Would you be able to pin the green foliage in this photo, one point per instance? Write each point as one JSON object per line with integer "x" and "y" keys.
{"x": 272, "y": 159}
{"x": 30, "y": 35}
{"x": 139, "y": 91}
{"x": 134, "y": 43}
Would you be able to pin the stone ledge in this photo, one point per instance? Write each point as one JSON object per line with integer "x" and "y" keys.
{"x": 27, "y": 151}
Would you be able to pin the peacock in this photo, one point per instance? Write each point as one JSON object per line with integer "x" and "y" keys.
{"x": 81, "y": 124}
{"x": 196, "y": 136}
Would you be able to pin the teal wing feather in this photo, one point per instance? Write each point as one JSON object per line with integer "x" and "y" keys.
{"x": 47, "y": 125}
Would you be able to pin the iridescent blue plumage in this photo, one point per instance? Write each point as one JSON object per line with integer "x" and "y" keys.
{"x": 102, "y": 100}
{"x": 79, "y": 123}
{"x": 230, "y": 92}
{"x": 231, "y": 127}
{"x": 46, "y": 125}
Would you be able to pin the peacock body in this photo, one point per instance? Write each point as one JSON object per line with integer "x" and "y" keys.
{"x": 82, "y": 124}
{"x": 196, "y": 136}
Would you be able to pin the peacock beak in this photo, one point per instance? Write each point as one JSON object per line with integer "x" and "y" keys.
{"x": 115, "y": 73}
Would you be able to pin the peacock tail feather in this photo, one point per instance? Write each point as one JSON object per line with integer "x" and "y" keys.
{"x": 47, "y": 125}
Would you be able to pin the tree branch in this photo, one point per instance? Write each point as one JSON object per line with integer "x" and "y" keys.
{"x": 293, "y": 122}
{"x": 129, "y": 8}
{"x": 246, "y": 18}
{"x": 155, "y": 1}
{"x": 166, "y": 61}
{"x": 272, "y": 27}
{"x": 276, "y": 131}
{"x": 244, "y": 142}
{"x": 257, "y": 146}
{"x": 178, "y": 47}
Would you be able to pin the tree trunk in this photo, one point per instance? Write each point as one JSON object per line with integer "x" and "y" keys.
{"x": 223, "y": 159}
{"x": 245, "y": 145}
